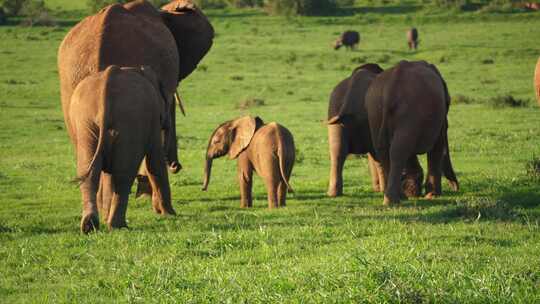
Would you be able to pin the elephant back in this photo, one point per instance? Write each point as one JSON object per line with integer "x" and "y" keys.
{"x": 117, "y": 36}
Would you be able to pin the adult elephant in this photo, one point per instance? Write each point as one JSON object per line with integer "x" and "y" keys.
{"x": 407, "y": 109}
{"x": 172, "y": 41}
{"x": 348, "y": 126}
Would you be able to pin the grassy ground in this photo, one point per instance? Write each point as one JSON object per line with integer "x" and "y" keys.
{"x": 479, "y": 245}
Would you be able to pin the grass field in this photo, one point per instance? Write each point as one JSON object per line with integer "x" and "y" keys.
{"x": 480, "y": 245}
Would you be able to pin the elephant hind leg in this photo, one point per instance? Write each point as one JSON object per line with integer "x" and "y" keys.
{"x": 159, "y": 180}
{"x": 282, "y": 194}
{"x": 435, "y": 163}
{"x": 89, "y": 187}
{"x": 400, "y": 151}
{"x": 119, "y": 201}
{"x": 338, "y": 153}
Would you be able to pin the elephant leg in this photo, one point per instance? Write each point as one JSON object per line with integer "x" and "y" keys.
{"x": 245, "y": 179}
{"x": 159, "y": 180}
{"x": 338, "y": 153}
{"x": 272, "y": 184}
{"x": 119, "y": 202}
{"x": 374, "y": 172}
{"x": 400, "y": 151}
{"x": 107, "y": 190}
{"x": 282, "y": 194}
{"x": 89, "y": 186}
{"x": 435, "y": 162}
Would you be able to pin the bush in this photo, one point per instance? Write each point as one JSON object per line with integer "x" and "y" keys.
{"x": 300, "y": 7}
{"x": 36, "y": 13}
{"x": 507, "y": 101}
{"x": 245, "y": 3}
{"x": 12, "y": 7}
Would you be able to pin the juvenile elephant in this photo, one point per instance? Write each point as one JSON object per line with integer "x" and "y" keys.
{"x": 172, "y": 41}
{"x": 116, "y": 120}
{"x": 266, "y": 148}
{"x": 407, "y": 107}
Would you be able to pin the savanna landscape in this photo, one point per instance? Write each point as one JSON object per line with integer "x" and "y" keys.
{"x": 478, "y": 245}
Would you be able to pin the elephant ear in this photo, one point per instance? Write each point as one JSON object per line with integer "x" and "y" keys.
{"x": 352, "y": 96}
{"x": 243, "y": 130}
{"x": 192, "y": 32}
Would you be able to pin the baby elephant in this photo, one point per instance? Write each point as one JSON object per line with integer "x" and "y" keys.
{"x": 348, "y": 39}
{"x": 117, "y": 118}
{"x": 266, "y": 148}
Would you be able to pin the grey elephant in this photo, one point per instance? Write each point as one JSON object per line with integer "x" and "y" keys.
{"x": 407, "y": 108}
{"x": 116, "y": 120}
{"x": 349, "y": 133}
{"x": 266, "y": 148}
{"x": 172, "y": 41}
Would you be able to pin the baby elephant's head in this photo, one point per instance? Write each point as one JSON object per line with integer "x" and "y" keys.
{"x": 231, "y": 137}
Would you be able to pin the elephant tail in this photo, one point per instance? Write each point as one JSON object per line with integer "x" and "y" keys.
{"x": 284, "y": 148}
{"x": 105, "y": 135}
{"x": 447, "y": 167}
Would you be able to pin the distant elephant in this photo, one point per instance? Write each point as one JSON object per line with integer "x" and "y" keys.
{"x": 172, "y": 41}
{"x": 116, "y": 120}
{"x": 266, "y": 148}
{"x": 407, "y": 108}
{"x": 537, "y": 81}
{"x": 349, "y": 39}
{"x": 412, "y": 38}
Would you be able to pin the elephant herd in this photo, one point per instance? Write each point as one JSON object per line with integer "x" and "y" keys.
{"x": 119, "y": 72}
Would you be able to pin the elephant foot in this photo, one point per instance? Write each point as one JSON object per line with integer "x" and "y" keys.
{"x": 431, "y": 195}
{"x": 89, "y": 223}
{"x": 454, "y": 185}
{"x": 163, "y": 210}
{"x": 334, "y": 193}
{"x": 377, "y": 188}
{"x": 117, "y": 225}
{"x": 387, "y": 201}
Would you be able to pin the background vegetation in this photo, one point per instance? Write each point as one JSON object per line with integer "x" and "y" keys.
{"x": 477, "y": 246}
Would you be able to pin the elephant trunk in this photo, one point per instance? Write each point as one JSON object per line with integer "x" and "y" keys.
{"x": 207, "y": 171}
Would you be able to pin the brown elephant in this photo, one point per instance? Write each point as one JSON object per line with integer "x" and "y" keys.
{"x": 537, "y": 81}
{"x": 172, "y": 41}
{"x": 116, "y": 120}
{"x": 266, "y": 148}
{"x": 407, "y": 109}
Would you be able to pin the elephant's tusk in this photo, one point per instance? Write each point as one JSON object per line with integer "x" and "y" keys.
{"x": 179, "y": 102}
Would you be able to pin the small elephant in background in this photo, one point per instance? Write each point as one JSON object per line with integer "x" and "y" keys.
{"x": 117, "y": 118}
{"x": 266, "y": 148}
{"x": 349, "y": 39}
{"x": 412, "y": 38}
{"x": 407, "y": 108}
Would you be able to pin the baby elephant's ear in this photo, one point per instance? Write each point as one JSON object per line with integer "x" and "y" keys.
{"x": 242, "y": 130}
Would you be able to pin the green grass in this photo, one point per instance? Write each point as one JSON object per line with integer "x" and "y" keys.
{"x": 479, "y": 245}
